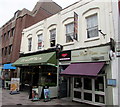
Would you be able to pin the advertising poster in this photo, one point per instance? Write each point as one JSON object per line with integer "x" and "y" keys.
{"x": 14, "y": 87}
{"x": 35, "y": 95}
{"x": 46, "y": 94}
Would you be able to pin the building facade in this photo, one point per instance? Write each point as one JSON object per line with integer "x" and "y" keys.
{"x": 86, "y": 65}
{"x": 11, "y": 32}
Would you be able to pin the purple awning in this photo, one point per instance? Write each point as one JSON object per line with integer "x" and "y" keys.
{"x": 88, "y": 69}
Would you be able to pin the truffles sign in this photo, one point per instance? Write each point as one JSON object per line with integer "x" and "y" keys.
{"x": 91, "y": 54}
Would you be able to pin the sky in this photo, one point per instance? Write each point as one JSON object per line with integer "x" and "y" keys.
{"x": 9, "y": 7}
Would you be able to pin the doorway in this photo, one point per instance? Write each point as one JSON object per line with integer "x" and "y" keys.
{"x": 90, "y": 90}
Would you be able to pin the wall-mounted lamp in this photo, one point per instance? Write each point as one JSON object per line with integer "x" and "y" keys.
{"x": 102, "y": 33}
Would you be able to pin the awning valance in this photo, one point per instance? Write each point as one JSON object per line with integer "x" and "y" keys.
{"x": 87, "y": 69}
{"x": 44, "y": 58}
{"x": 8, "y": 66}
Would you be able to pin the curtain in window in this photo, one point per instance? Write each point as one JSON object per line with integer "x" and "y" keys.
{"x": 40, "y": 41}
{"x": 92, "y": 26}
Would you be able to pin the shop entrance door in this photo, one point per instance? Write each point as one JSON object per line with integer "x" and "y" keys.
{"x": 63, "y": 87}
{"x": 89, "y": 90}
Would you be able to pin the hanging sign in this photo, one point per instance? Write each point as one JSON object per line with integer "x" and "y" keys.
{"x": 75, "y": 26}
{"x": 65, "y": 56}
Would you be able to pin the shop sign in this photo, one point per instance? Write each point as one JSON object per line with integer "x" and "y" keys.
{"x": 65, "y": 56}
{"x": 111, "y": 82}
{"x": 91, "y": 54}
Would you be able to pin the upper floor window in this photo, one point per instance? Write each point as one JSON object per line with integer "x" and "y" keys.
{"x": 4, "y": 36}
{"x": 12, "y": 31}
{"x": 10, "y": 49}
{"x": 40, "y": 41}
{"x": 2, "y": 51}
{"x": 29, "y": 44}
{"x": 8, "y": 33}
{"x": 92, "y": 26}
{"x": 5, "y": 51}
{"x": 69, "y": 32}
{"x": 52, "y": 37}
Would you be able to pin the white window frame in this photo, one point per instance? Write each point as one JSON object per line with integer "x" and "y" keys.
{"x": 51, "y": 38}
{"x": 92, "y": 27}
{"x": 30, "y": 44}
{"x": 40, "y": 41}
{"x": 71, "y": 33}
{"x": 93, "y": 92}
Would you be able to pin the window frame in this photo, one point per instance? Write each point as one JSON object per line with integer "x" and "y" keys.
{"x": 54, "y": 39}
{"x": 89, "y": 29}
{"x": 66, "y": 34}
{"x": 38, "y": 35}
{"x": 29, "y": 44}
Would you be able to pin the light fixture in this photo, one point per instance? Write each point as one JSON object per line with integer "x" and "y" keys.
{"x": 102, "y": 33}
{"x": 49, "y": 73}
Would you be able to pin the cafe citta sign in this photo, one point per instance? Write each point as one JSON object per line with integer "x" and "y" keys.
{"x": 31, "y": 59}
{"x": 91, "y": 54}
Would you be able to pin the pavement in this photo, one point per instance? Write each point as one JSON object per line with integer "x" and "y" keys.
{"x": 22, "y": 99}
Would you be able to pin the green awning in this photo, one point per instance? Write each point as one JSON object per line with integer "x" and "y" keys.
{"x": 39, "y": 59}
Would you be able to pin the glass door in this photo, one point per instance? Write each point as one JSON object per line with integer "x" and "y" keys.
{"x": 89, "y": 90}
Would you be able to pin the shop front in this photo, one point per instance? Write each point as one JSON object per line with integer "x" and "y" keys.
{"x": 8, "y": 72}
{"x": 87, "y": 73}
{"x": 38, "y": 71}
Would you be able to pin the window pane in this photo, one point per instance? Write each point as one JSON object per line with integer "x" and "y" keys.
{"x": 99, "y": 84}
{"x": 69, "y": 32}
{"x": 88, "y": 96}
{"x": 29, "y": 44}
{"x": 77, "y": 83}
{"x": 87, "y": 84}
{"x": 99, "y": 98}
{"x": 92, "y": 26}
{"x": 52, "y": 37}
{"x": 48, "y": 76}
{"x": 40, "y": 41}
{"x": 77, "y": 94}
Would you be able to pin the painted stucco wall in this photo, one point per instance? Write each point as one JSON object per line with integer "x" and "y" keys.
{"x": 59, "y": 20}
{"x": 83, "y": 9}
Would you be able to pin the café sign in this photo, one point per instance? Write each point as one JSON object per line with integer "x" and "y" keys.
{"x": 91, "y": 54}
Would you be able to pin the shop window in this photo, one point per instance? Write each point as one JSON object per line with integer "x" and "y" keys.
{"x": 87, "y": 83}
{"x": 99, "y": 84}
{"x": 52, "y": 37}
{"x": 77, "y": 94}
{"x": 29, "y": 44}
{"x": 40, "y": 41}
{"x": 69, "y": 32}
{"x": 92, "y": 26}
{"x": 99, "y": 98}
{"x": 77, "y": 83}
{"x": 48, "y": 76}
{"x": 88, "y": 96}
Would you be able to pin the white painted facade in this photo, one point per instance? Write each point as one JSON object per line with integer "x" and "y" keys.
{"x": 59, "y": 20}
{"x": 106, "y": 12}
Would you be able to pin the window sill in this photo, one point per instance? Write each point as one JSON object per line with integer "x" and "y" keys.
{"x": 92, "y": 39}
{"x": 70, "y": 43}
